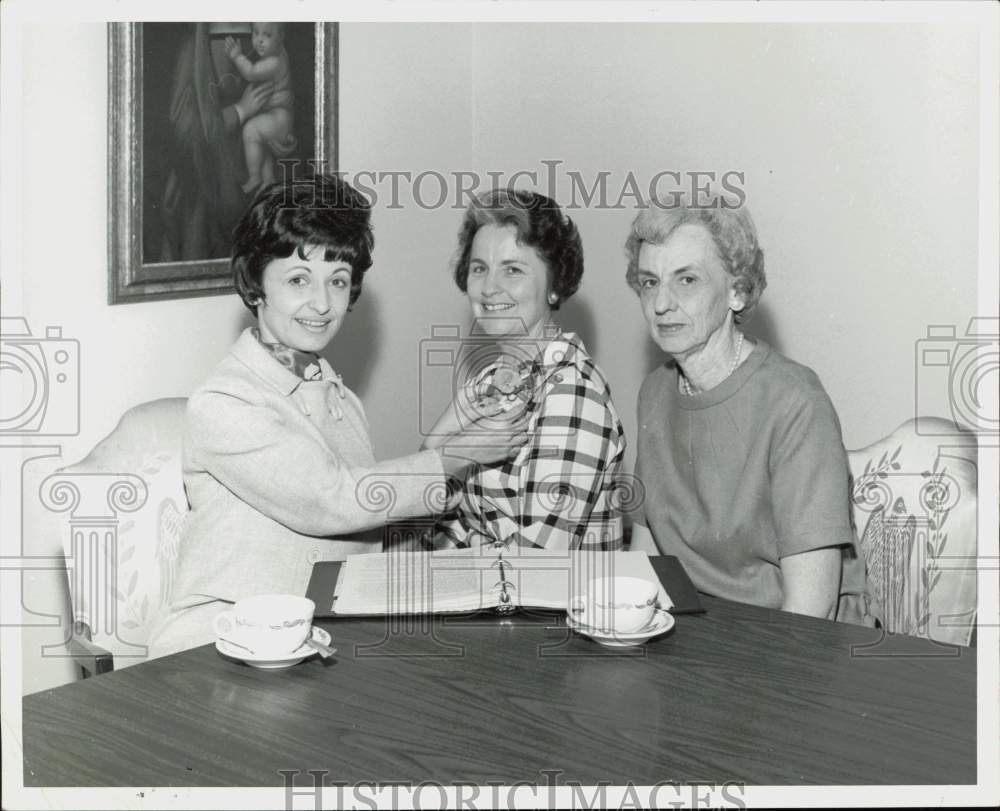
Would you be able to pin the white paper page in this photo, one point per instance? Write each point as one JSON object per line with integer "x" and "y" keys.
{"x": 470, "y": 579}
{"x": 412, "y": 583}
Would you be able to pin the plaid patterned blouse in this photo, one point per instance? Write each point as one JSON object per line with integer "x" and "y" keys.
{"x": 557, "y": 492}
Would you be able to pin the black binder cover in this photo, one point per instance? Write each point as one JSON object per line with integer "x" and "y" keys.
{"x": 668, "y": 568}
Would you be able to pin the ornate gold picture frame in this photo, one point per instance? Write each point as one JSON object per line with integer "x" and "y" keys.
{"x": 180, "y": 112}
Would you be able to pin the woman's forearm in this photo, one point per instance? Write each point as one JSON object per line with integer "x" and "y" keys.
{"x": 811, "y": 582}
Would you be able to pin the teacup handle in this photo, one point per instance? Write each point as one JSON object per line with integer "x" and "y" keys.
{"x": 578, "y": 606}
{"x": 224, "y": 624}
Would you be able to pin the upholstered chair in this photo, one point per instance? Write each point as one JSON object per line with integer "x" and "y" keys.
{"x": 914, "y": 503}
{"x": 122, "y": 508}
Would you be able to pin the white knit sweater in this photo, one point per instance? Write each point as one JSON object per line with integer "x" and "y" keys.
{"x": 279, "y": 474}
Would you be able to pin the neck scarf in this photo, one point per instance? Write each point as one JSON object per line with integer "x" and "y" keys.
{"x": 306, "y": 366}
{"x": 301, "y": 364}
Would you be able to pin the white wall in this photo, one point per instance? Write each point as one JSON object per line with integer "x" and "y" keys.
{"x": 858, "y": 145}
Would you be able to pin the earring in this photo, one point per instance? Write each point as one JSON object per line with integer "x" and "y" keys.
{"x": 553, "y": 298}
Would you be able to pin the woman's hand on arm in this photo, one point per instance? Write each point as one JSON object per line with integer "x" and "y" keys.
{"x": 461, "y": 415}
{"x": 811, "y": 582}
{"x": 485, "y": 442}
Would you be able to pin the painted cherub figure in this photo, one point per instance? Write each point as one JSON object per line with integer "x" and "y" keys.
{"x": 269, "y": 133}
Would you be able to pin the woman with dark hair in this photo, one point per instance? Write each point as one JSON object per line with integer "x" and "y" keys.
{"x": 739, "y": 448}
{"x": 519, "y": 259}
{"x": 276, "y": 450}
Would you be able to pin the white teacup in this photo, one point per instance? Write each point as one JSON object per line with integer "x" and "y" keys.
{"x": 622, "y": 605}
{"x": 269, "y": 624}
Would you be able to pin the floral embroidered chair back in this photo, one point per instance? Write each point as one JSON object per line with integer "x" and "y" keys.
{"x": 122, "y": 508}
{"x": 914, "y": 505}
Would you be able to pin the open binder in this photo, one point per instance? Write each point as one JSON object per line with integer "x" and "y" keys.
{"x": 483, "y": 578}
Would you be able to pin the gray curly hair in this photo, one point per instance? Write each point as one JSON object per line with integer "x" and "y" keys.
{"x": 732, "y": 231}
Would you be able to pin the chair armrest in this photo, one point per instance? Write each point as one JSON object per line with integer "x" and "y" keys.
{"x": 91, "y": 658}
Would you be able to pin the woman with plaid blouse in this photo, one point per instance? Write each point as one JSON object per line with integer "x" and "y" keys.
{"x": 519, "y": 259}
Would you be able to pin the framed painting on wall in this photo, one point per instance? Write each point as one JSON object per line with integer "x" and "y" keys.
{"x": 201, "y": 115}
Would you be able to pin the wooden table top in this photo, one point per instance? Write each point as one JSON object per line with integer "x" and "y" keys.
{"x": 736, "y": 694}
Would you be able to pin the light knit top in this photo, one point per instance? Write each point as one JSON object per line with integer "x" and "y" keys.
{"x": 279, "y": 473}
{"x": 744, "y": 474}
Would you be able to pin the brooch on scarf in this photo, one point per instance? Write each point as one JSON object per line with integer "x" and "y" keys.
{"x": 507, "y": 385}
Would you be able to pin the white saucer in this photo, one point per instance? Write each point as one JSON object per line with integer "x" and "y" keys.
{"x": 661, "y": 623}
{"x": 268, "y": 661}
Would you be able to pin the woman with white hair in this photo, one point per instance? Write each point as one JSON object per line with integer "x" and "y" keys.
{"x": 739, "y": 448}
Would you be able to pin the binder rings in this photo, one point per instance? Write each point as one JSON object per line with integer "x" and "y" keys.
{"x": 471, "y": 580}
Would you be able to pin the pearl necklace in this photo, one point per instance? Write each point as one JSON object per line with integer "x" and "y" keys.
{"x": 689, "y": 389}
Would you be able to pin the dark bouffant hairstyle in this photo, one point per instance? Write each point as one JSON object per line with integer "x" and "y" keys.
{"x": 286, "y": 217}
{"x": 539, "y": 224}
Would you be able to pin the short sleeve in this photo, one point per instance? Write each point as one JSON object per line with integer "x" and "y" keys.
{"x": 809, "y": 478}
